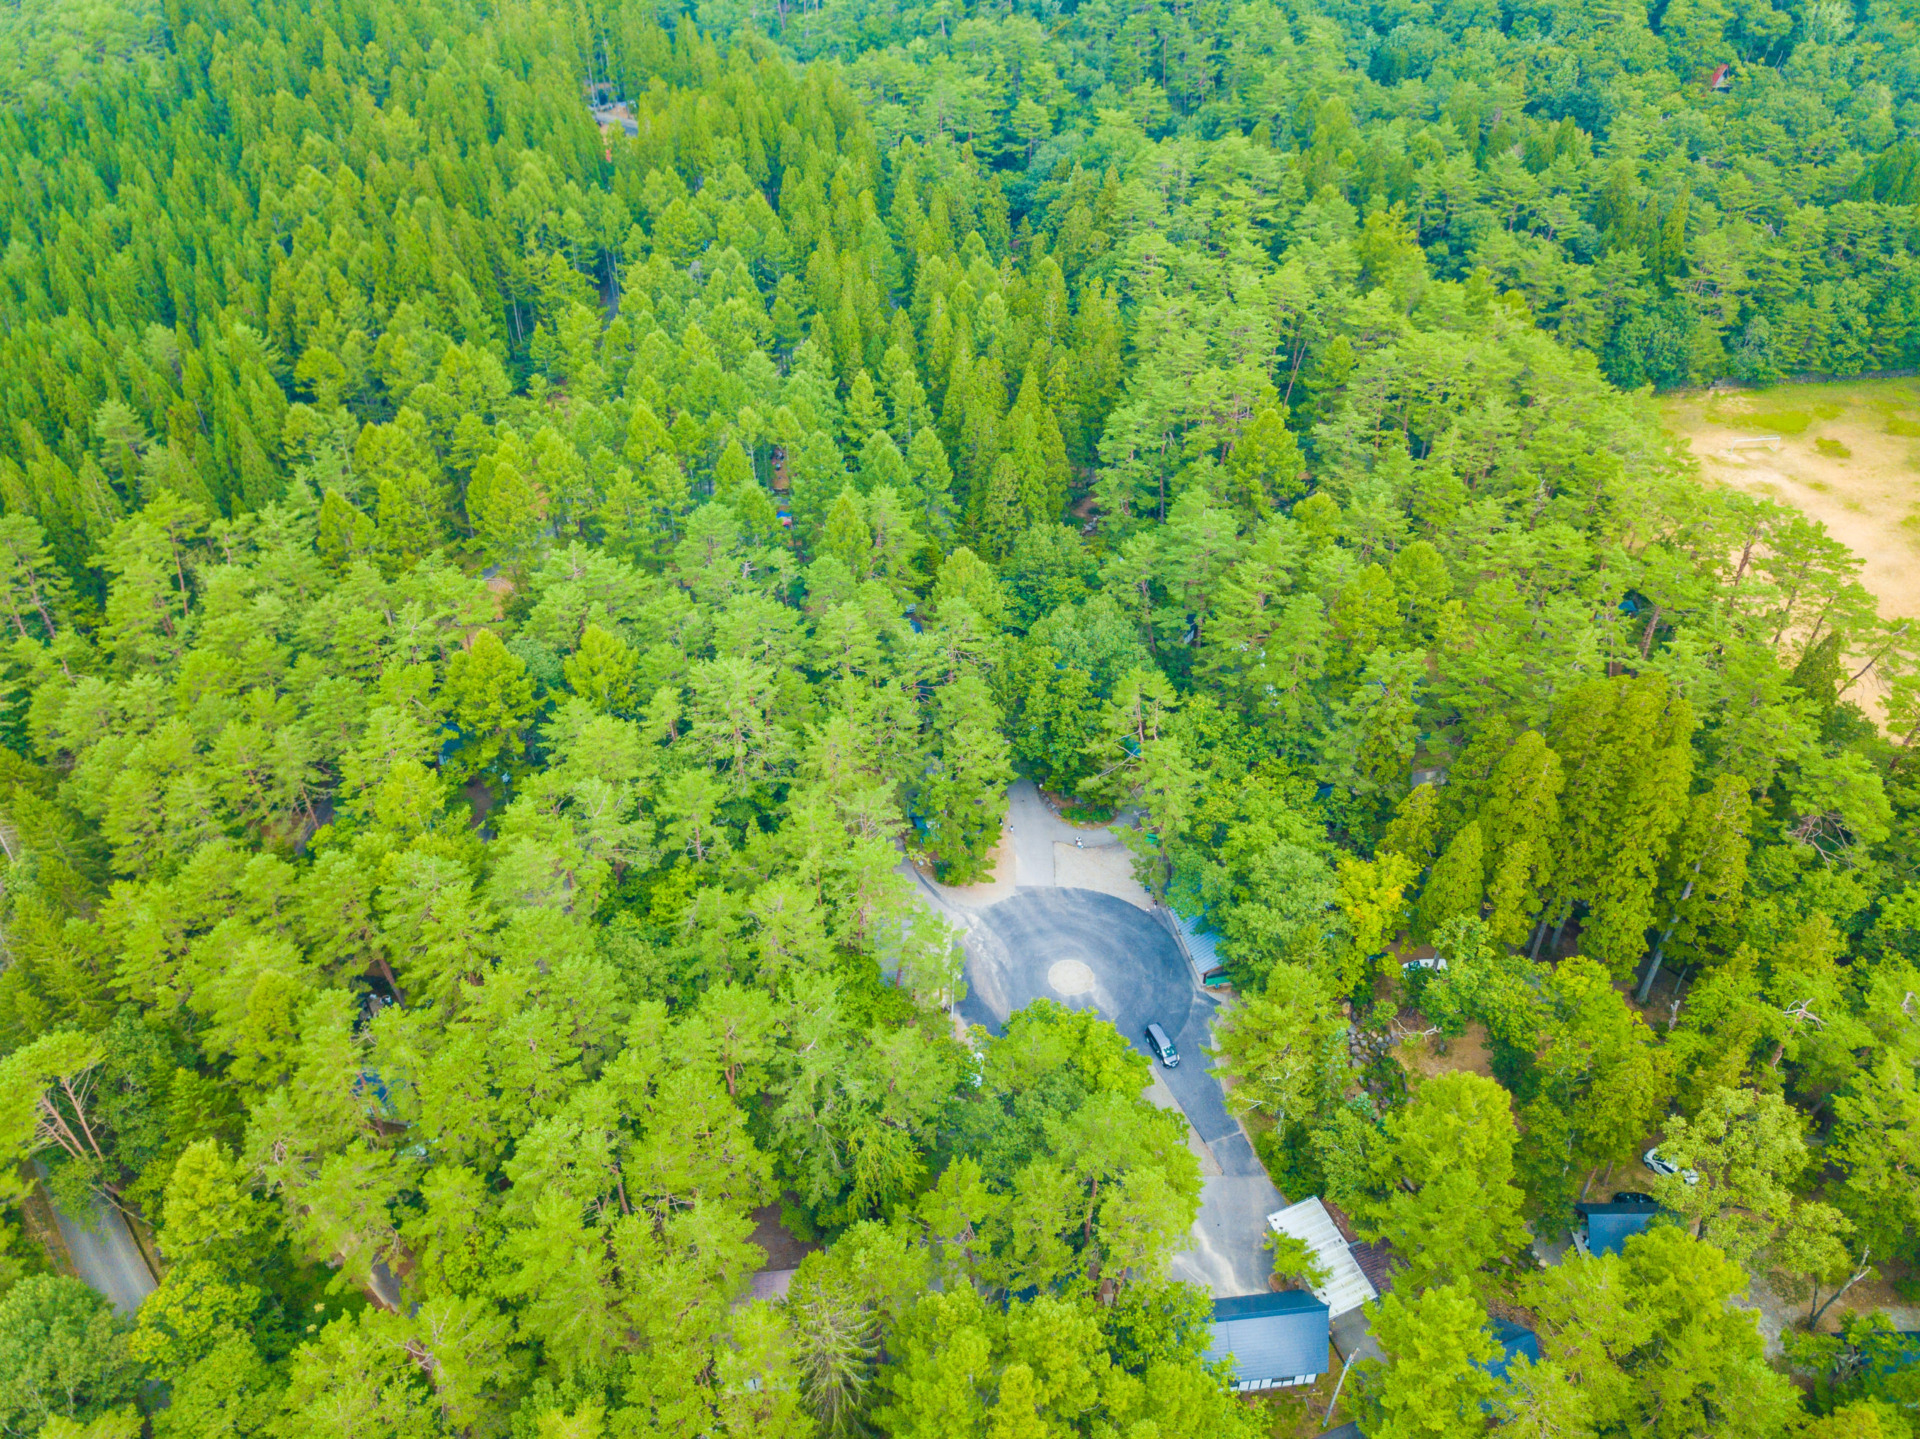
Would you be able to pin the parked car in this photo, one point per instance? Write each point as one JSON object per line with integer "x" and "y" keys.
{"x": 1633, "y": 1196}
{"x": 1157, "y": 1040}
{"x": 1664, "y": 1167}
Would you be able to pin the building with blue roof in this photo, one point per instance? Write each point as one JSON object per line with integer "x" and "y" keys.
{"x": 1272, "y": 1340}
{"x": 1516, "y": 1342}
{"x": 1603, "y": 1228}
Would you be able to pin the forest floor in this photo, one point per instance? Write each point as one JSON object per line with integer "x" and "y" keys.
{"x": 1424, "y": 1057}
{"x": 1845, "y": 452}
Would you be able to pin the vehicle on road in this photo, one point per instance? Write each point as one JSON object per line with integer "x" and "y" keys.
{"x": 1162, "y": 1046}
{"x": 1663, "y": 1167}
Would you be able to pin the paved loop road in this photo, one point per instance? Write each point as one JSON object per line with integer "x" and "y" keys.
{"x": 1020, "y": 948}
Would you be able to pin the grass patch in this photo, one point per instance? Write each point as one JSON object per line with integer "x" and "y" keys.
{"x": 1785, "y": 422}
{"x": 1833, "y": 449}
{"x": 1898, "y": 426}
{"x": 1829, "y": 411}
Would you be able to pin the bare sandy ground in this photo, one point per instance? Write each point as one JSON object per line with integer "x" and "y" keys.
{"x": 1845, "y": 453}
{"x": 1849, "y": 466}
{"x": 1106, "y": 866}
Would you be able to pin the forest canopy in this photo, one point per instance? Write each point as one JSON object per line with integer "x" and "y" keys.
{"x": 493, "y": 589}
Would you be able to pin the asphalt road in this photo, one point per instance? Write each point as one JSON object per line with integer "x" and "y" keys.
{"x": 1031, "y": 946}
{"x": 106, "y": 1257}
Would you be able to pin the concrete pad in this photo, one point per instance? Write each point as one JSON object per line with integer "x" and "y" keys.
{"x": 1225, "y": 1257}
{"x": 1353, "y": 1337}
{"x": 1037, "y": 829}
{"x": 1106, "y": 868}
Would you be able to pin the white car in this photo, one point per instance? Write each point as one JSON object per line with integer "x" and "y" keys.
{"x": 1664, "y": 1167}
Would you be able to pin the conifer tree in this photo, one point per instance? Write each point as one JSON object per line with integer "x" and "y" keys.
{"x": 963, "y": 796}
{"x": 1457, "y": 885}
{"x": 1519, "y": 823}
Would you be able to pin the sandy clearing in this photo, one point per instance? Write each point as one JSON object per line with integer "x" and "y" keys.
{"x": 1864, "y": 486}
{"x": 1846, "y": 453}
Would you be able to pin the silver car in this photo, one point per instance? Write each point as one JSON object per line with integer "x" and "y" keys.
{"x": 1664, "y": 1167}
{"x": 1157, "y": 1040}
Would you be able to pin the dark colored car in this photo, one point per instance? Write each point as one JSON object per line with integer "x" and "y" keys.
{"x": 1633, "y": 1196}
{"x": 1162, "y": 1046}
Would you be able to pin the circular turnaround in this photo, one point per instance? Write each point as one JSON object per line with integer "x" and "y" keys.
{"x": 1070, "y": 977}
{"x": 1093, "y": 952}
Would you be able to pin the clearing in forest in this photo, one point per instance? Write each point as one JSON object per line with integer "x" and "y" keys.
{"x": 1846, "y": 452}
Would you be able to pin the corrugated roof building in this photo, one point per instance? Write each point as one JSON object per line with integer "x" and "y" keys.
{"x": 1347, "y": 1285}
{"x": 1199, "y": 944}
{"x": 1273, "y": 1340}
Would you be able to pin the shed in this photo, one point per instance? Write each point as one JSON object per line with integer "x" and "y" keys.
{"x": 1199, "y": 944}
{"x": 1347, "y": 1285}
{"x": 1273, "y": 1340}
{"x": 1603, "y": 1228}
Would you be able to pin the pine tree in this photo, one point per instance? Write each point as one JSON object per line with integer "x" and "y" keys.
{"x": 1519, "y": 821}
{"x": 490, "y": 697}
{"x": 865, "y": 415}
{"x": 732, "y": 474}
{"x": 345, "y": 534}
{"x": 846, "y": 537}
{"x": 1415, "y": 827}
{"x": 1265, "y": 466}
{"x": 602, "y": 669}
{"x": 646, "y": 437}
{"x": 817, "y": 474}
{"x": 882, "y": 464}
{"x": 36, "y": 592}
{"x": 507, "y": 506}
{"x": 906, "y": 397}
{"x": 932, "y": 482}
{"x": 1457, "y": 884}
{"x": 963, "y": 796}
{"x": 1627, "y": 749}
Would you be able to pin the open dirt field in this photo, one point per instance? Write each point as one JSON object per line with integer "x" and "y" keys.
{"x": 1846, "y": 452}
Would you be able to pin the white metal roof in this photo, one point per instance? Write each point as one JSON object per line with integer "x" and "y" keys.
{"x": 1346, "y": 1287}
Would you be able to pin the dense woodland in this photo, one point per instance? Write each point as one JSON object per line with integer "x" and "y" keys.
{"x": 488, "y": 602}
